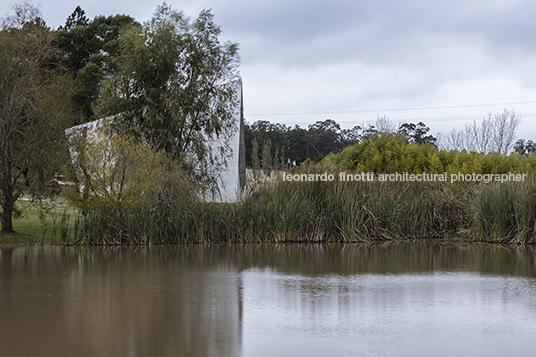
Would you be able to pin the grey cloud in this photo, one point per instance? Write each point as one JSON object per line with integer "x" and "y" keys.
{"x": 316, "y": 55}
{"x": 298, "y": 33}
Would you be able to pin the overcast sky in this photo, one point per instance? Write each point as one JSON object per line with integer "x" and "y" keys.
{"x": 351, "y": 61}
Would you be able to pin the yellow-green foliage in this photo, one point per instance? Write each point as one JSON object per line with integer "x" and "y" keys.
{"x": 115, "y": 170}
{"x": 390, "y": 153}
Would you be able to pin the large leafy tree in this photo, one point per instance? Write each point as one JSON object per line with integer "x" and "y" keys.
{"x": 35, "y": 109}
{"x": 325, "y": 138}
{"x": 416, "y": 133}
{"x": 176, "y": 86}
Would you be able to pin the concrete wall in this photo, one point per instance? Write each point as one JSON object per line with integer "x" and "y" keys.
{"x": 234, "y": 178}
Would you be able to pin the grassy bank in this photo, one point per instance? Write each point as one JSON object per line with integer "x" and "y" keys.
{"x": 320, "y": 211}
{"x": 34, "y": 224}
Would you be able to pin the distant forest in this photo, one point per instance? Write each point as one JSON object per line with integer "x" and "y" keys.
{"x": 278, "y": 146}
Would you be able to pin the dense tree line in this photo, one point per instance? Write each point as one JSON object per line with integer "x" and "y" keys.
{"x": 270, "y": 145}
{"x": 286, "y": 146}
{"x": 277, "y": 145}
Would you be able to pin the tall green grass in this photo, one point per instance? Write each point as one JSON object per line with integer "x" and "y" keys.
{"x": 505, "y": 213}
{"x": 282, "y": 211}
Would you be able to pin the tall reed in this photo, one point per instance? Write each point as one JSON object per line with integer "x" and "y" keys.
{"x": 325, "y": 211}
{"x": 505, "y": 212}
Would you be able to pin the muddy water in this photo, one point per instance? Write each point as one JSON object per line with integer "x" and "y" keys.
{"x": 425, "y": 299}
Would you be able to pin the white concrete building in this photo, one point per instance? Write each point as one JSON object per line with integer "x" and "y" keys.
{"x": 233, "y": 179}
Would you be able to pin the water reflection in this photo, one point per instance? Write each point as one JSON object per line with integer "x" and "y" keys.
{"x": 256, "y": 300}
{"x": 390, "y": 258}
{"x": 115, "y": 302}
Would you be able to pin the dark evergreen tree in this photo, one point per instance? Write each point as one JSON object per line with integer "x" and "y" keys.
{"x": 91, "y": 48}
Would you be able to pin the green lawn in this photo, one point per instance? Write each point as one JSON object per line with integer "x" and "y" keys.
{"x": 33, "y": 227}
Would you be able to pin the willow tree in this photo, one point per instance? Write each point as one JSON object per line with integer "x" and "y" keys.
{"x": 35, "y": 109}
{"x": 175, "y": 85}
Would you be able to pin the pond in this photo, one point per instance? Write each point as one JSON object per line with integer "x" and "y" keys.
{"x": 396, "y": 299}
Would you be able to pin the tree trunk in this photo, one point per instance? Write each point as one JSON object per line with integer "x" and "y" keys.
{"x": 7, "y": 187}
{"x": 8, "y": 183}
{"x": 7, "y": 218}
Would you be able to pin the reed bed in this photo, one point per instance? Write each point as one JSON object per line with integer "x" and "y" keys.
{"x": 505, "y": 213}
{"x": 318, "y": 211}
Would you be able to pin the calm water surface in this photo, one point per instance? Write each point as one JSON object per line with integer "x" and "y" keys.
{"x": 425, "y": 299}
